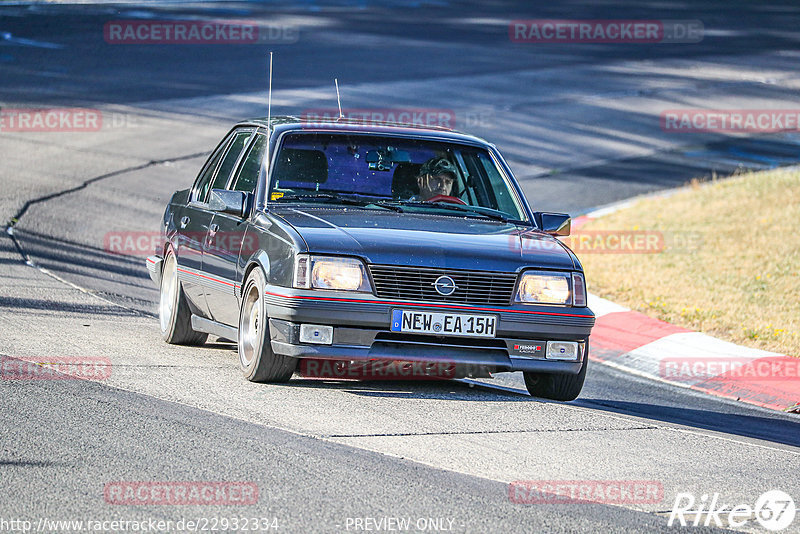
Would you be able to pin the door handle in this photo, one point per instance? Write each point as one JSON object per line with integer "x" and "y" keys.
{"x": 213, "y": 229}
{"x": 184, "y": 221}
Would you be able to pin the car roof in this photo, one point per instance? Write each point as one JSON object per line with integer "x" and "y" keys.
{"x": 344, "y": 124}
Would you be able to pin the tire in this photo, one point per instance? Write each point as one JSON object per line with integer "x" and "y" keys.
{"x": 556, "y": 386}
{"x": 174, "y": 315}
{"x": 256, "y": 359}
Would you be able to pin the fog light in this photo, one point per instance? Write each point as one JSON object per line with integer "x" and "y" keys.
{"x": 315, "y": 333}
{"x": 562, "y": 350}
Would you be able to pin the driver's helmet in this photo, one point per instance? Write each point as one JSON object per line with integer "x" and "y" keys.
{"x": 436, "y": 166}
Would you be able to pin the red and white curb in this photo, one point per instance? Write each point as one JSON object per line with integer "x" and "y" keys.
{"x": 648, "y": 347}
{"x": 632, "y": 341}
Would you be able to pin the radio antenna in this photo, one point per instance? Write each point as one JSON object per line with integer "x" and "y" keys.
{"x": 269, "y": 99}
{"x": 338, "y": 100}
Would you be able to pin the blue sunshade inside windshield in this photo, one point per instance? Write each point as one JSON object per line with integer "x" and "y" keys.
{"x": 346, "y": 157}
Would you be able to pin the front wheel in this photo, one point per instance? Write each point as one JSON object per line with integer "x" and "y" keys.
{"x": 256, "y": 359}
{"x": 556, "y": 386}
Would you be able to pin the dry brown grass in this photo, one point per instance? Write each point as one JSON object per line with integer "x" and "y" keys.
{"x": 731, "y": 264}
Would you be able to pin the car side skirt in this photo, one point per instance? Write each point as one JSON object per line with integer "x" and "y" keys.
{"x": 201, "y": 324}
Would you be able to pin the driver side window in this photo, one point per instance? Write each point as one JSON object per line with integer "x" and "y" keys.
{"x": 230, "y": 159}
{"x": 251, "y": 167}
{"x": 204, "y": 180}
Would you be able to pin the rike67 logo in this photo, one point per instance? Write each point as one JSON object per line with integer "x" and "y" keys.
{"x": 774, "y": 510}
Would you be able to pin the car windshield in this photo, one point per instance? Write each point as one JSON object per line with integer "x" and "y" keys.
{"x": 403, "y": 174}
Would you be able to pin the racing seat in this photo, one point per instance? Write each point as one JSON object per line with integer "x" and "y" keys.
{"x": 404, "y": 180}
{"x": 301, "y": 165}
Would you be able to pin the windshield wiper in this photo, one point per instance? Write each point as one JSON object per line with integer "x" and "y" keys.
{"x": 473, "y": 210}
{"x": 328, "y": 197}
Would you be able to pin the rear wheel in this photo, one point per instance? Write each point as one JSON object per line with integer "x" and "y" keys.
{"x": 556, "y": 386}
{"x": 256, "y": 359}
{"x": 174, "y": 315}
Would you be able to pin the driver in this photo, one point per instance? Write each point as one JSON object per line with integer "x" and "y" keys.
{"x": 436, "y": 177}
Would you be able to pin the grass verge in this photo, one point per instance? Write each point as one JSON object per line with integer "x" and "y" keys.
{"x": 721, "y": 257}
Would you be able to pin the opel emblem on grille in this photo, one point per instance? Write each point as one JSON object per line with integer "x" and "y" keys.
{"x": 444, "y": 285}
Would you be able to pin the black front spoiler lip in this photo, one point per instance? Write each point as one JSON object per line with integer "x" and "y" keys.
{"x": 492, "y": 358}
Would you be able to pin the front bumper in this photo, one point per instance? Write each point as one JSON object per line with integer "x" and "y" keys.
{"x": 154, "y": 268}
{"x": 361, "y": 331}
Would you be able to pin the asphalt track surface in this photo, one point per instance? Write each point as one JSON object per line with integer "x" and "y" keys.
{"x": 579, "y": 124}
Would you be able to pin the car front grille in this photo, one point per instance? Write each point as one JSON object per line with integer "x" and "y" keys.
{"x": 416, "y": 283}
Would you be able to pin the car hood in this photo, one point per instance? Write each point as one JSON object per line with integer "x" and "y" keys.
{"x": 423, "y": 240}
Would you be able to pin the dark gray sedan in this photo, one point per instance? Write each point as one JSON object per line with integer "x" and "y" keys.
{"x": 344, "y": 243}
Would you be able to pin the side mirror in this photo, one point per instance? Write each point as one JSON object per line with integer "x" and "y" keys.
{"x": 224, "y": 201}
{"x": 553, "y": 223}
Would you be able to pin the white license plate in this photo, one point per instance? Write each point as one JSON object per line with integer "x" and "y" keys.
{"x": 444, "y": 324}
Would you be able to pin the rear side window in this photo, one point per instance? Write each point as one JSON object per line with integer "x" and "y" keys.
{"x": 250, "y": 169}
{"x": 228, "y": 161}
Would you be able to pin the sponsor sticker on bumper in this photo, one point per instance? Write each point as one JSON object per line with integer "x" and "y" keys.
{"x": 444, "y": 324}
